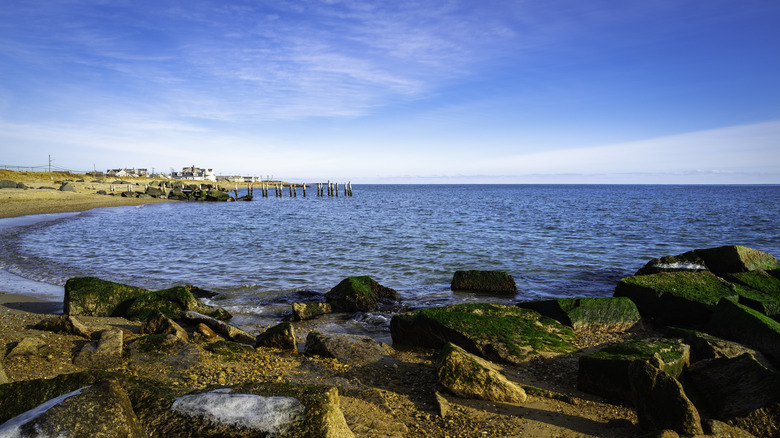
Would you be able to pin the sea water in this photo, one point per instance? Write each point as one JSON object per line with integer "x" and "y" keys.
{"x": 260, "y": 256}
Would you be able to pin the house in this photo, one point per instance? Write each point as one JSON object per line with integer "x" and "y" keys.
{"x": 127, "y": 172}
{"x": 195, "y": 174}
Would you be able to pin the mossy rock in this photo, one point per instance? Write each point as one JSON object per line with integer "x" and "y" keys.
{"x": 763, "y": 292}
{"x": 280, "y": 336}
{"x": 742, "y": 324}
{"x": 172, "y": 303}
{"x": 229, "y": 351}
{"x": 730, "y": 259}
{"x": 705, "y": 346}
{"x": 495, "y": 332}
{"x": 90, "y": 296}
{"x": 684, "y": 298}
{"x": 689, "y": 261}
{"x": 604, "y": 314}
{"x": 494, "y": 282}
{"x": 359, "y": 294}
{"x": 218, "y": 196}
{"x": 605, "y": 372}
{"x": 178, "y": 195}
{"x": 470, "y": 376}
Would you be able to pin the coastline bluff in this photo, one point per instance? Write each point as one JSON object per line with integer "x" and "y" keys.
{"x": 690, "y": 344}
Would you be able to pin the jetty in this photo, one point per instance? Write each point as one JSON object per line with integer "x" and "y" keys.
{"x": 322, "y": 189}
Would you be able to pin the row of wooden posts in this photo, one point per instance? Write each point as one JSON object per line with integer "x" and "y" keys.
{"x": 323, "y": 189}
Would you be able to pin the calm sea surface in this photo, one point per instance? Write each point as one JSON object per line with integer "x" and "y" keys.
{"x": 556, "y": 240}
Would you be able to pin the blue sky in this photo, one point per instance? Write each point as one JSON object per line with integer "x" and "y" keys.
{"x": 553, "y": 91}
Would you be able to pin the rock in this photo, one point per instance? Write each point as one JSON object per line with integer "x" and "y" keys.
{"x": 218, "y": 196}
{"x": 67, "y": 187}
{"x": 348, "y": 349}
{"x": 30, "y": 347}
{"x": 106, "y": 353}
{"x": 204, "y": 330}
{"x": 660, "y": 400}
{"x": 742, "y": 324}
{"x": 178, "y": 194}
{"x": 129, "y": 194}
{"x": 304, "y": 311}
{"x": 584, "y": 315}
{"x": 495, "y": 332}
{"x": 442, "y": 405}
{"x": 720, "y": 429}
{"x": 690, "y": 261}
{"x": 92, "y": 296}
{"x": 359, "y": 294}
{"x": 731, "y": 259}
{"x": 684, "y": 298}
{"x": 3, "y": 375}
{"x": 7, "y": 184}
{"x": 21, "y": 185}
{"x": 101, "y": 192}
{"x": 64, "y": 324}
{"x": 228, "y": 331}
{"x": 705, "y": 346}
{"x": 495, "y": 282}
{"x": 161, "y": 325}
{"x": 172, "y": 303}
{"x": 280, "y": 336}
{"x": 200, "y": 293}
{"x": 103, "y": 409}
{"x": 735, "y": 387}
{"x": 605, "y": 372}
{"x": 156, "y": 192}
{"x": 469, "y": 376}
{"x": 765, "y": 288}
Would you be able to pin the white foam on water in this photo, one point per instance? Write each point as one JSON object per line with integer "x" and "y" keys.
{"x": 265, "y": 414}
{"x": 680, "y": 265}
{"x": 11, "y": 428}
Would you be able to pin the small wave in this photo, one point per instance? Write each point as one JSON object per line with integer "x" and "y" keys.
{"x": 687, "y": 266}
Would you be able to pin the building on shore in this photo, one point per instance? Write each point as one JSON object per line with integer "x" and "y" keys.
{"x": 195, "y": 174}
{"x": 127, "y": 172}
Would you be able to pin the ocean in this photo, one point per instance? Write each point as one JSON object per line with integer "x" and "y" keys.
{"x": 260, "y": 256}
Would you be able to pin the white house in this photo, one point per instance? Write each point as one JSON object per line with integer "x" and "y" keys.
{"x": 195, "y": 174}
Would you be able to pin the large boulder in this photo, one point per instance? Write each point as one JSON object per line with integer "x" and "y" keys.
{"x": 705, "y": 346}
{"x": 280, "y": 336}
{"x": 30, "y": 346}
{"x": 742, "y": 324}
{"x": 105, "y": 353}
{"x": 172, "y": 303}
{"x": 605, "y": 372}
{"x": 730, "y": 259}
{"x": 100, "y": 410}
{"x": 67, "y": 187}
{"x": 7, "y": 184}
{"x": 499, "y": 333}
{"x": 218, "y": 196}
{"x": 740, "y": 391}
{"x": 605, "y": 314}
{"x": 763, "y": 294}
{"x": 359, "y": 294}
{"x": 349, "y": 349}
{"x": 660, "y": 400}
{"x": 159, "y": 324}
{"x": 470, "y": 376}
{"x": 684, "y": 298}
{"x": 495, "y": 282}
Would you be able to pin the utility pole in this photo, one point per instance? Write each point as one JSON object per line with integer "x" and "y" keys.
{"x": 49, "y": 163}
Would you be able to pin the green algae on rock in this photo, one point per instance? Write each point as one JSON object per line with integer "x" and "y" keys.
{"x": 734, "y": 258}
{"x": 496, "y": 282}
{"x": 359, "y": 294}
{"x": 587, "y": 314}
{"x": 742, "y": 324}
{"x": 605, "y": 372}
{"x": 495, "y": 332}
{"x": 470, "y": 376}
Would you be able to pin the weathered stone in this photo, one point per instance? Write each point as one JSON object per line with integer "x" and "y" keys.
{"x": 689, "y": 261}
{"x": 204, "y": 330}
{"x": 742, "y": 324}
{"x": 442, "y": 405}
{"x": 495, "y": 282}
{"x": 172, "y": 303}
{"x": 359, "y": 294}
{"x": 605, "y": 372}
{"x": 705, "y": 346}
{"x": 101, "y": 410}
{"x": 281, "y": 336}
{"x": 64, "y": 324}
{"x": 660, "y": 400}
{"x": 304, "y": 311}
{"x": 495, "y": 332}
{"x": 583, "y": 315}
{"x": 92, "y": 296}
{"x": 218, "y": 196}
{"x": 470, "y": 376}
{"x": 129, "y": 194}
{"x": 764, "y": 293}
{"x": 224, "y": 329}
{"x": 30, "y": 347}
{"x": 67, "y": 187}
{"x": 155, "y": 192}
{"x": 731, "y": 259}
{"x": 720, "y": 429}
{"x": 350, "y": 349}
{"x": 107, "y": 352}
{"x": 161, "y": 325}
{"x": 177, "y": 194}
{"x": 3, "y": 376}
{"x": 735, "y": 387}
{"x": 684, "y": 298}
{"x": 7, "y": 184}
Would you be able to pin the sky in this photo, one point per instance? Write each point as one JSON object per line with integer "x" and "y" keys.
{"x": 440, "y": 91}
